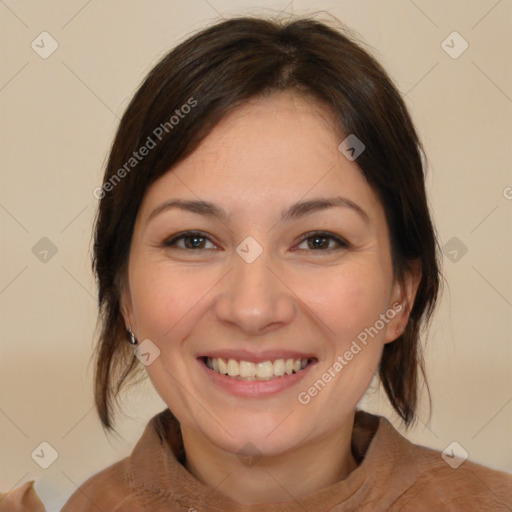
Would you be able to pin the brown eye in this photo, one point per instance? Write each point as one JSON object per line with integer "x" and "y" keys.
{"x": 191, "y": 241}
{"x": 320, "y": 242}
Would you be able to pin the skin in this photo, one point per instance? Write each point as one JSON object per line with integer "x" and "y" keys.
{"x": 259, "y": 160}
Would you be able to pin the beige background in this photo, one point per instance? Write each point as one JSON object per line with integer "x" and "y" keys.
{"x": 58, "y": 117}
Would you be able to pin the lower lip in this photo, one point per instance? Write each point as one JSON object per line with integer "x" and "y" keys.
{"x": 255, "y": 388}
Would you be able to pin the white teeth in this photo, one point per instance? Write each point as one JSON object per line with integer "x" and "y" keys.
{"x": 223, "y": 367}
{"x": 264, "y": 369}
{"x": 279, "y": 367}
{"x": 233, "y": 368}
{"x": 247, "y": 370}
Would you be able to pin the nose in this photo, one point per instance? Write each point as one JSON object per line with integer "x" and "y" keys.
{"x": 254, "y": 296}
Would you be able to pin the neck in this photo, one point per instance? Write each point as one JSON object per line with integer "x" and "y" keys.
{"x": 272, "y": 479}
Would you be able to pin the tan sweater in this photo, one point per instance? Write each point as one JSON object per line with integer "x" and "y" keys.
{"x": 393, "y": 475}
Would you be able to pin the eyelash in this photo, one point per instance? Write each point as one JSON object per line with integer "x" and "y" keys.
{"x": 171, "y": 243}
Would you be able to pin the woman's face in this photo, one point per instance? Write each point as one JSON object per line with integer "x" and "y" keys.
{"x": 254, "y": 283}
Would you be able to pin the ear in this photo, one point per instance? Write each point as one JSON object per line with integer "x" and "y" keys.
{"x": 125, "y": 304}
{"x": 402, "y": 300}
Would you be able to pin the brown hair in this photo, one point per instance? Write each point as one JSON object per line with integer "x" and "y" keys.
{"x": 217, "y": 70}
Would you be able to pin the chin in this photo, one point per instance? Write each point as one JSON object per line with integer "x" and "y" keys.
{"x": 244, "y": 445}
{"x": 266, "y": 435}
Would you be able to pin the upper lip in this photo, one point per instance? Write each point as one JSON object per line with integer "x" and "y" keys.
{"x": 257, "y": 357}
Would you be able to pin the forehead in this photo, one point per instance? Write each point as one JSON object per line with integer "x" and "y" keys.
{"x": 273, "y": 134}
{"x": 273, "y": 150}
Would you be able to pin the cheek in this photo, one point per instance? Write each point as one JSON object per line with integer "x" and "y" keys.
{"x": 347, "y": 299}
{"x": 163, "y": 297}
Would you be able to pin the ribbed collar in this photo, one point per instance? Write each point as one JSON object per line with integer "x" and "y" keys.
{"x": 156, "y": 468}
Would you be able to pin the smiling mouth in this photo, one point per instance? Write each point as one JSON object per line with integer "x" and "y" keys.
{"x": 262, "y": 371}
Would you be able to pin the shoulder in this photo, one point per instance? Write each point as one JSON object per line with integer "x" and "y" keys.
{"x": 468, "y": 486}
{"x": 129, "y": 484}
{"x": 106, "y": 490}
{"x": 416, "y": 478}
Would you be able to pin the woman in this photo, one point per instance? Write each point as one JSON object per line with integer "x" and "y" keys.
{"x": 263, "y": 247}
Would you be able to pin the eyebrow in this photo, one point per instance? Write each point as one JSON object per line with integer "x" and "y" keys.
{"x": 295, "y": 211}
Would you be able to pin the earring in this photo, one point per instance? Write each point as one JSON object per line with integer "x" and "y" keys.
{"x": 131, "y": 336}
{"x": 399, "y": 329}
